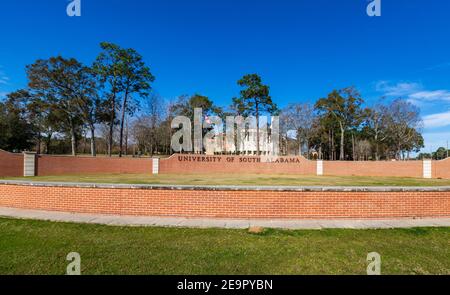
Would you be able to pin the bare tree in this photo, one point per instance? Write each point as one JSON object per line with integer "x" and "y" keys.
{"x": 363, "y": 150}
{"x": 300, "y": 118}
{"x": 377, "y": 119}
{"x": 403, "y": 124}
{"x": 147, "y": 127}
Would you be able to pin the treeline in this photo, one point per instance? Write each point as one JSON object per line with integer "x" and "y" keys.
{"x": 338, "y": 127}
{"x": 109, "y": 107}
{"x": 67, "y": 101}
{"x": 440, "y": 154}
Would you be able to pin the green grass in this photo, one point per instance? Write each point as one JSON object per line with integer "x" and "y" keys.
{"x": 37, "y": 247}
{"x": 244, "y": 179}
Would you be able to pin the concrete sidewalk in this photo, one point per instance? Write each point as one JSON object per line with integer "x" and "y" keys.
{"x": 219, "y": 223}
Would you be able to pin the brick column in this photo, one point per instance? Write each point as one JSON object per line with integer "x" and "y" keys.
{"x": 427, "y": 169}
{"x": 155, "y": 164}
{"x": 29, "y": 164}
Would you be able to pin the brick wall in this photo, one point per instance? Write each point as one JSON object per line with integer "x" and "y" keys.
{"x": 370, "y": 168}
{"x": 295, "y": 165}
{"x": 229, "y": 203}
{"x": 441, "y": 169}
{"x": 11, "y": 164}
{"x": 203, "y": 164}
{"x": 60, "y": 165}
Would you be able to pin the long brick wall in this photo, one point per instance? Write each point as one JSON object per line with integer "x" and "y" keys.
{"x": 371, "y": 168}
{"x": 203, "y": 164}
{"x": 441, "y": 169}
{"x": 280, "y": 203}
{"x": 11, "y": 165}
{"x": 63, "y": 165}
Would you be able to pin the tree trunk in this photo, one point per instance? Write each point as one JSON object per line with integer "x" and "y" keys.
{"x": 377, "y": 148}
{"x": 122, "y": 122}
{"x": 48, "y": 140}
{"x": 353, "y": 147}
{"x": 111, "y": 123}
{"x": 330, "y": 146}
{"x": 93, "y": 147}
{"x": 126, "y": 139}
{"x": 299, "y": 143}
{"x": 84, "y": 142}
{"x": 307, "y": 149}
{"x": 73, "y": 138}
{"x": 110, "y": 139}
{"x": 333, "y": 146}
{"x": 342, "y": 153}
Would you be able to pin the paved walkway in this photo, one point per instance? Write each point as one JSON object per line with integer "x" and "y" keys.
{"x": 219, "y": 223}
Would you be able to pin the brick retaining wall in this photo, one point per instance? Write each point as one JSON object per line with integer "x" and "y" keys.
{"x": 441, "y": 169}
{"x": 371, "y": 168}
{"x": 203, "y": 164}
{"x": 229, "y": 202}
{"x": 64, "y": 165}
{"x": 11, "y": 165}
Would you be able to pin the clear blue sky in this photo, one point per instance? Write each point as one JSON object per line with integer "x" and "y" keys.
{"x": 302, "y": 49}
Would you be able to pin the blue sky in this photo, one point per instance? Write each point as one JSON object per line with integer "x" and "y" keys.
{"x": 302, "y": 49}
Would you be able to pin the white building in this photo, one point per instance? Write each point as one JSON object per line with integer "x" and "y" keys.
{"x": 246, "y": 146}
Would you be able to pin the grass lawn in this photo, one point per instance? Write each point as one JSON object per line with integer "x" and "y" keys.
{"x": 37, "y": 247}
{"x": 233, "y": 179}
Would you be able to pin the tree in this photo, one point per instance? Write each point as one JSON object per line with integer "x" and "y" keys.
{"x": 136, "y": 80}
{"x": 45, "y": 120}
{"x": 440, "y": 154}
{"x": 255, "y": 100}
{"x": 125, "y": 72}
{"x": 88, "y": 102}
{"x": 147, "y": 128}
{"x": 376, "y": 120}
{"x": 404, "y": 124}
{"x": 300, "y": 117}
{"x": 345, "y": 107}
{"x": 185, "y": 105}
{"x": 64, "y": 85}
{"x": 423, "y": 156}
{"x": 108, "y": 70}
{"x": 16, "y": 131}
{"x": 324, "y": 136}
{"x": 363, "y": 149}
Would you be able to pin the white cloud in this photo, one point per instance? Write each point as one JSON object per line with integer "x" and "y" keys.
{"x": 412, "y": 91}
{"x": 399, "y": 89}
{"x": 3, "y": 78}
{"x": 437, "y": 99}
{"x": 436, "y": 95}
{"x": 437, "y": 120}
